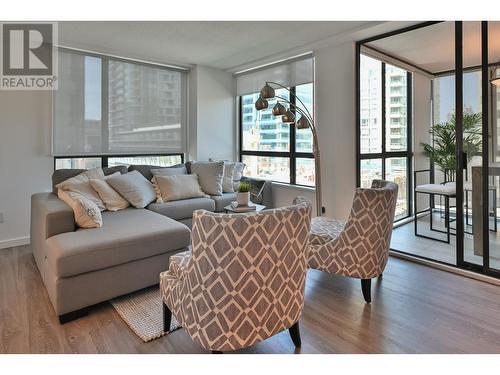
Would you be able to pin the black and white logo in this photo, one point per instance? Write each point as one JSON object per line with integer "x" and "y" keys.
{"x": 29, "y": 58}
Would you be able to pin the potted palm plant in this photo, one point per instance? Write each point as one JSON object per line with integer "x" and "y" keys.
{"x": 442, "y": 151}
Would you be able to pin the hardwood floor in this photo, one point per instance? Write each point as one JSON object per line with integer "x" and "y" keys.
{"x": 414, "y": 309}
{"x": 404, "y": 239}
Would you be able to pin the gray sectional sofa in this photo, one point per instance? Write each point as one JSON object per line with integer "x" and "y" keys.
{"x": 82, "y": 267}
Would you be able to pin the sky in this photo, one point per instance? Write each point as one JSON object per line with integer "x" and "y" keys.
{"x": 92, "y": 88}
{"x": 472, "y": 94}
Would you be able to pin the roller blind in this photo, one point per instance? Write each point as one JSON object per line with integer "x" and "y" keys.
{"x": 291, "y": 73}
{"x": 107, "y": 106}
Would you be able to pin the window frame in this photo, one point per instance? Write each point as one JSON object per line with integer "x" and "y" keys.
{"x": 104, "y": 158}
{"x": 384, "y": 155}
{"x": 292, "y": 155}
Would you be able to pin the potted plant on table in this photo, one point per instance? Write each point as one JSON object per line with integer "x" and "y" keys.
{"x": 243, "y": 196}
{"x": 442, "y": 151}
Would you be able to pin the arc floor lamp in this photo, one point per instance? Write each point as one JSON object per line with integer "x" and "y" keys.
{"x": 287, "y": 116}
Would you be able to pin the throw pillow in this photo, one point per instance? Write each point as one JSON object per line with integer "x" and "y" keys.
{"x": 109, "y": 196}
{"x": 169, "y": 171}
{"x": 209, "y": 176}
{"x": 81, "y": 184}
{"x": 87, "y": 214}
{"x": 238, "y": 174}
{"x": 173, "y": 188}
{"x": 227, "y": 179}
{"x": 134, "y": 187}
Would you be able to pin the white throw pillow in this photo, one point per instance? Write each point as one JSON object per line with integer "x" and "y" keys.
{"x": 239, "y": 167}
{"x": 173, "y": 188}
{"x": 134, "y": 187}
{"x": 81, "y": 184}
{"x": 112, "y": 200}
{"x": 227, "y": 179}
{"x": 87, "y": 214}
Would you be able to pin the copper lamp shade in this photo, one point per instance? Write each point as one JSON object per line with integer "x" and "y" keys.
{"x": 267, "y": 92}
{"x": 496, "y": 82}
{"x": 288, "y": 117}
{"x": 279, "y": 109}
{"x": 303, "y": 123}
{"x": 261, "y": 104}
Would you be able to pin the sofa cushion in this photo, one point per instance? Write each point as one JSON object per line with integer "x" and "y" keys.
{"x": 169, "y": 171}
{"x": 126, "y": 235}
{"x": 145, "y": 170}
{"x": 223, "y": 200}
{"x": 182, "y": 209}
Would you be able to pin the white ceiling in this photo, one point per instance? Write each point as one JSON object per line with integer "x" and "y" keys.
{"x": 223, "y": 45}
{"x": 433, "y": 48}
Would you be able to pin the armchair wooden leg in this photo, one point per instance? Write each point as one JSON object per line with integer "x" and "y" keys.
{"x": 167, "y": 317}
{"x": 295, "y": 335}
{"x": 366, "y": 286}
{"x": 216, "y": 352}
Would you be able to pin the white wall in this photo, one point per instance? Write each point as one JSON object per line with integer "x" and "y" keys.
{"x": 212, "y": 114}
{"x": 25, "y": 161}
{"x": 335, "y": 114}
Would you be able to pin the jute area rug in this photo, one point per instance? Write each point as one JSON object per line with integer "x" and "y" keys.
{"x": 143, "y": 313}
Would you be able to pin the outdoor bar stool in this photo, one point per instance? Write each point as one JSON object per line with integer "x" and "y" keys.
{"x": 445, "y": 190}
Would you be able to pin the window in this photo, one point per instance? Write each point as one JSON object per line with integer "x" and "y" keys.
{"x": 274, "y": 150}
{"x": 385, "y": 100}
{"x": 110, "y": 107}
{"x": 112, "y": 161}
{"x": 269, "y": 148}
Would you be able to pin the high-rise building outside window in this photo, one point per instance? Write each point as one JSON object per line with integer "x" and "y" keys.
{"x": 385, "y": 99}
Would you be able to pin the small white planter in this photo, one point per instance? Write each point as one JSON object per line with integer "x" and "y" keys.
{"x": 243, "y": 198}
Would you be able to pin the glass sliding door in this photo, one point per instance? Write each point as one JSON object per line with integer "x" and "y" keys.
{"x": 472, "y": 145}
{"x": 450, "y": 118}
{"x": 492, "y": 255}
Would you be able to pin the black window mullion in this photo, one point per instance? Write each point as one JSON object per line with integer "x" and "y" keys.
{"x": 383, "y": 120}
{"x": 409, "y": 141}
{"x": 293, "y": 161}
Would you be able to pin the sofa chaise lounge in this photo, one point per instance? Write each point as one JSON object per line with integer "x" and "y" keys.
{"x": 82, "y": 267}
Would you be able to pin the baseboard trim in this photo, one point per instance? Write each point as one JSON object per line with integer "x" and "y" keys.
{"x": 14, "y": 242}
{"x": 444, "y": 267}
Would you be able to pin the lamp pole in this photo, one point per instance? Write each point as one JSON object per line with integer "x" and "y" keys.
{"x": 306, "y": 121}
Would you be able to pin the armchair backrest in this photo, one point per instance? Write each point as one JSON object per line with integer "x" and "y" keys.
{"x": 368, "y": 230}
{"x": 246, "y": 276}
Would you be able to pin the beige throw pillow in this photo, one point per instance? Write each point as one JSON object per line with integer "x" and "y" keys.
{"x": 87, "y": 214}
{"x": 109, "y": 196}
{"x": 173, "y": 188}
{"x": 81, "y": 184}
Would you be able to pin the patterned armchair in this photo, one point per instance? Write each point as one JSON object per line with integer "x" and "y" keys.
{"x": 244, "y": 279}
{"x": 359, "y": 247}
